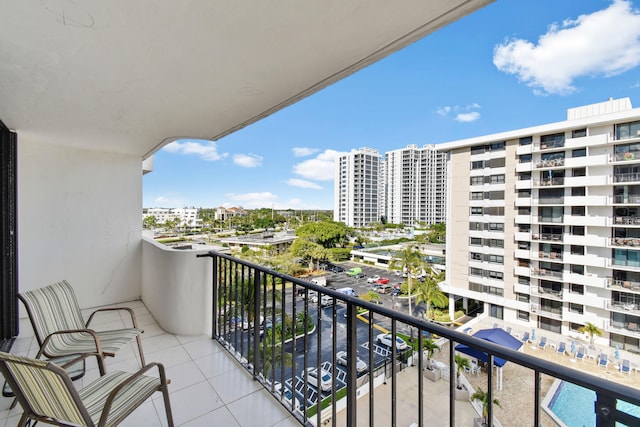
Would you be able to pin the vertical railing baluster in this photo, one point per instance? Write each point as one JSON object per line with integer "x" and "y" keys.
{"x": 371, "y": 369}
{"x": 214, "y": 295}
{"x": 420, "y": 381}
{"x": 452, "y": 383}
{"x": 319, "y": 337}
{"x": 351, "y": 364}
{"x": 334, "y": 345}
{"x": 490, "y": 391}
{"x": 394, "y": 354}
{"x": 536, "y": 398}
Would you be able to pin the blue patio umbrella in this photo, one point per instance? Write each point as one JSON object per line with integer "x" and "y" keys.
{"x": 533, "y": 334}
{"x": 616, "y": 353}
{"x": 573, "y": 346}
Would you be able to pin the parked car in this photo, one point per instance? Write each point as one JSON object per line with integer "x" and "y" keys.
{"x": 337, "y": 269}
{"x": 287, "y": 396}
{"x": 341, "y": 358}
{"x": 382, "y": 281}
{"x": 373, "y": 279}
{"x": 395, "y": 292}
{"x": 312, "y": 378}
{"x": 385, "y": 339}
{"x": 384, "y": 289}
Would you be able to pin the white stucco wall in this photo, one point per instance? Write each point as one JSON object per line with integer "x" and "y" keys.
{"x": 176, "y": 288}
{"x": 79, "y": 219}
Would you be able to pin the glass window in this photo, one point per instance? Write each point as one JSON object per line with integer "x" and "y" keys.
{"x": 477, "y": 180}
{"x": 496, "y": 195}
{"x": 524, "y": 158}
{"x": 497, "y": 163}
{"x": 478, "y": 149}
{"x": 497, "y": 179}
{"x": 524, "y": 176}
{"x": 495, "y": 243}
{"x": 577, "y": 250}
{"x": 475, "y": 256}
{"x": 579, "y": 171}
{"x": 477, "y": 165}
{"x": 477, "y": 195}
{"x": 628, "y": 130}
{"x": 578, "y": 192}
{"x": 522, "y": 297}
{"x": 576, "y": 308}
{"x": 579, "y": 152}
{"x": 497, "y": 146}
{"x": 577, "y": 230}
{"x": 577, "y": 269}
{"x": 576, "y": 289}
{"x": 578, "y": 133}
{"x": 476, "y": 226}
{"x": 578, "y": 211}
{"x": 523, "y": 315}
{"x": 527, "y": 140}
{"x": 495, "y": 311}
{"x": 473, "y": 271}
{"x": 475, "y": 241}
{"x": 476, "y": 210}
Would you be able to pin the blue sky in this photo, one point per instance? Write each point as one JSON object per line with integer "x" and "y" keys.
{"x": 510, "y": 65}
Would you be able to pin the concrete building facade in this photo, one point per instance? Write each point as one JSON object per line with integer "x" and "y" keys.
{"x": 543, "y": 225}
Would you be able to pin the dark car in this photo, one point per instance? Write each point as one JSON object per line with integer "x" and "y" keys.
{"x": 337, "y": 269}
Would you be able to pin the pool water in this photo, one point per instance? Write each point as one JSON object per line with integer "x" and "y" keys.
{"x": 574, "y": 405}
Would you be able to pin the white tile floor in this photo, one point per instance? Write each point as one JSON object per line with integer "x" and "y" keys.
{"x": 208, "y": 387}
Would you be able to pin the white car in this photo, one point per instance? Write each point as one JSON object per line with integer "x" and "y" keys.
{"x": 312, "y": 378}
{"x": 373, "y": 279}
{"x": 287, "y": 396}
{"x": 341, "y": 358}
{"x": 385, "y": 339}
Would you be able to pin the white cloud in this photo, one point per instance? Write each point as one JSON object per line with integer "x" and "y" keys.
{"x": 604, "y": 43}
{"x": 319, "y": 168}
{"x": 207, "y": 150}
{"x": 304, "y": 151}
{"x": 463, "y": 114}
{"x": 247, "y": 160}
{"x": 303, "y": 183}
{"x": 251, "y": 200}
{"x": 468, "y": 117}
{"x": 168, "y": 202}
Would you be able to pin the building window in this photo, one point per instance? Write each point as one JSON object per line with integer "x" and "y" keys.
{"x": 522, "y": 297}
{"x": 577, "y": 250}
{"x": 575, "y": 327}
{"x": 578, "y": 192}
{"x": 478, "y": 149}
{"x": 579, "y": 152}
{"x": 496, "y": 195}
{"x": 473, "y": 271}
{"x": 495, "y": 259}
{"x": 628, "y": 130}
{"x": 527, "y": 140}
{"x": 523, "y": 315}
{"x": 524, "y": 245}
{"x": 475, "y": 256}
{"x": 524, "y": 194}
{"x": 555, "y": 140}
{"x": 578, "y": 210}
{"x": 579, "y": 172}
{"x": 496, "y": 275}
{"x": 576, "y": 289}
{"x": 494, "y": 210}
{"x": 494, "y": 243}
{"x": 577, "y": 230}
{"x": 477, "y": 180}
{"x": 495, "y": 311}
{"x": 475, "y": 241}
{"x": 576, "y": 308}
{"x": 524, "y": 280}
{"x": 477, "y": 195}
{"x": 578, "y": 133}
{"x": 497, "y": 163}
{"x": 524, "y": 158}
{"x": 524, "y": 176}
{"x": 577, "y": 269}
{"x": 497, "y": 179}
{"x": 495, "y": 226}
{"x": 476, "y": 226}
{"x": 477, "y": 165}
{"x": 524, "y": 210}
{"x": 497, "y": 146}
{"x": 476, "y": 211}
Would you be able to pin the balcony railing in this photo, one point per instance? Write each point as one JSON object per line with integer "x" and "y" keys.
{"x": 626, "y": 177}
{"x": 629, "y": 199}
{"x": 279, "y": 327}
{"x": 625, "y": 241}
{"x": 622, "y": 306}
{"x": 550, "y": 163}
{"x": 626, "y": 285}
{"x": 626, "y": 220}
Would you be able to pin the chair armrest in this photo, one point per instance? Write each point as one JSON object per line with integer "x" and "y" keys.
{"x": 91, "y": 332}
{"x": 114, "y": 393}
{"x": 132, "y": 314}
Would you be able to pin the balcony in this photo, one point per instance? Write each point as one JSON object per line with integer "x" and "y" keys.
{"x": 624, "y": 241}
{"x": 621, "y": 306}
{"x": 547, "y": 293}
{"x": 624, "y": 285}
{"x": 546, "y": 273}
{"x": 550, "y": 163}
{"x": 626, "y": 177}
{"x": 550, "y": 255}
{"x": 548, "y": 182}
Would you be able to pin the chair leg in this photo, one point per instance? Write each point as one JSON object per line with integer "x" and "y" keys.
{"x": 167, "y": 405}
{"x": 23, "y": 420}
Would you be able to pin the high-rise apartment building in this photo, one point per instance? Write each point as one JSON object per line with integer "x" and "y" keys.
{"x": 356, "y": 187}
{"x": 543, "y": 223}
{"x": 415, "y": 185}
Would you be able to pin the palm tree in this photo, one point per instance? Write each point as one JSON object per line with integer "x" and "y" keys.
{"x": 461, "y": 363}
{"x": 429, "y": 291}
{"x": 430, "y": 346}
{"x": 409, "y": 260}
{"x": 483, "y": 397}
{"x": 592, "y": 330}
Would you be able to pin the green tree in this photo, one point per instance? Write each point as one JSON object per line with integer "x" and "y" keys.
{"x": 328, "y": 234}
{"x": 430, "y": 347}
{"x": 371, "y": 296}
{"x": 437, "y": 232}
{"x": 429, "y": 291}
{"x": 592, "y": 330}
{"x": 409, "y": 261}
{"x": 150, "y": 222}
{"x": 308, "y": 251}
{"x": 461, "y": 363}
{"x": 483, "y": 397}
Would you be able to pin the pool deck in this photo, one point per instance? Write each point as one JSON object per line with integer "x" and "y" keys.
{"x": 518, "y": 407}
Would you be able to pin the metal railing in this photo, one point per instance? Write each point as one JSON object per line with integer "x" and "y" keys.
{"x": 278, "y": 326}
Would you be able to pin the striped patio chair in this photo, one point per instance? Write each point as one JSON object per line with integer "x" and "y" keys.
{"x": 46, "y": 393}
{"x": 61, "y": 331}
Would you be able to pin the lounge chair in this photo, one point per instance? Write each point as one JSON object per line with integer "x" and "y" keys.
{"x": 61, "y": 331}
{"x": 626, "y": 366}
{"x": 542, "y": 343}
{"x": 525, "y": 337}
{"x": 603, "y": 360}
{"x": 580, "y": 353}
{"x": 46, "y": 393}
{"x": 562, "y": 347}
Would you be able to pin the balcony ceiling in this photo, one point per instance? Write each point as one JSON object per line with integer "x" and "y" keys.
{"x": 130, "y": 76}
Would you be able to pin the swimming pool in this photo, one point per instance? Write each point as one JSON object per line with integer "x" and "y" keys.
{"x": 572, "y": 406}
